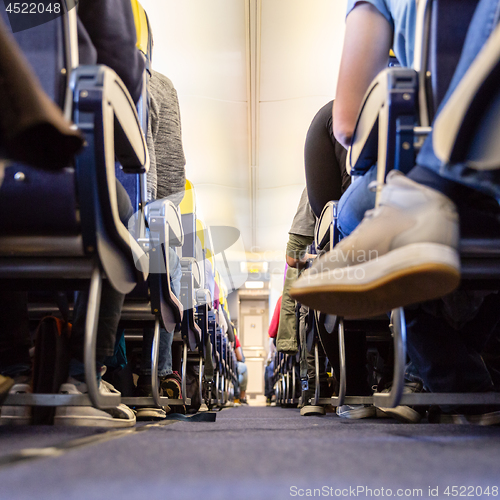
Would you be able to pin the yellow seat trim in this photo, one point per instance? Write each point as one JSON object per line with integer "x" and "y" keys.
{"x": 141, "y": 27}
{"x": 188, "y": 203}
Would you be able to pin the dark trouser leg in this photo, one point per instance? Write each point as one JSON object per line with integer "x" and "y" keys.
{"x": 355, "y": 352}
{"x": 324, "y": 159}
{"x": 14, "y": 334}
{"x": 449, "y": 359}
{"x": 110, "y": 307}
{"x": 177, "y": 356}
{"x": 109, "y": 317}
{"x": 268, "y": 380}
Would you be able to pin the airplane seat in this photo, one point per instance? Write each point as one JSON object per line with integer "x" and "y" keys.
{"x": 449, "y": 23}
{"x": 157, "y": 226}
{"x": 464, "y": 132}
{"x": 191, "y": 273}
{"x": 67, "y": 232}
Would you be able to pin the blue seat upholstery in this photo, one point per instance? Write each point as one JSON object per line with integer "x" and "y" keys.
{"x": 61, "y": 230}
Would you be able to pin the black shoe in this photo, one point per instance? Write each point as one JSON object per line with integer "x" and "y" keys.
{"x": 171, "y": 386}
{"x": 405, "y": 414}
{"x": 476, "y": 415}
{"x": 5, "y": 384}
{"x": 144, "y": 390}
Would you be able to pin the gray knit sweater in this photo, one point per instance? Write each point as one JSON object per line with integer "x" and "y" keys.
{"x": 167, "y": 175}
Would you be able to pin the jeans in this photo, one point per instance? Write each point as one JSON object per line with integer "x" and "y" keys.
{"x": 450, "y": 359}
{"x": 268, "y": 380}
{"x": 166, "y": 338}
{"x": 242, "y": 376}
{"x": 355, "y": 202}
{"x": 484, "y": 21}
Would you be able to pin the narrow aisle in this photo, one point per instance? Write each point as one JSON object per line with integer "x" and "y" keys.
{"x": 254, "y": 453}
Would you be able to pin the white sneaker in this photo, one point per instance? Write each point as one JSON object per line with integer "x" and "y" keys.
{"x": 17, "y": 415}
{"x": 403, "y": 252}
{"x": 121, "y": 416}
{"x": 356, "y": 411}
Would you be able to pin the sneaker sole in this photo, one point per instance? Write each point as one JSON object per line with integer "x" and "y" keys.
{"x": 310, "y": 410}
{"x": 70, "y": 421}
{"x": 397, "y": 279}
{"x": 358, "y": 414}
{"x": 403, "y": 414}
{"x": 13, "y": 420}
{"x": 492, "y": 418}
{"x": 150, "y": 414}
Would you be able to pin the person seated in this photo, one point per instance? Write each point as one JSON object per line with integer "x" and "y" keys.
{"x": 241, "y": 397}
{"x": 106, "y": 35}
{"x": 269, "y": 368}
{"x": 166, "y": 179}
{"x": 411, "y": 240}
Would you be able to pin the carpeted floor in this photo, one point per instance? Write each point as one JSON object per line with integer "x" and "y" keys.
{"x": 256, "y": 453}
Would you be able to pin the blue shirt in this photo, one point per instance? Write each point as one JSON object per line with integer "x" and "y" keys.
{"x": 401, "y": 15}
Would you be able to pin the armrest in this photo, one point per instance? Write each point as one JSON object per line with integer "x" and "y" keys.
{"x": 466, "y": 129}
{"x": 326, "y": 226}
{"x": 165, "y": 210}
{"x": 363, "y": 151}
{"x": 121, "y": 123}
{"x": 191, "y": 265}
{"x": 384, "y": 130}
{"x": 95, "y": 170}
{"x": 203, "y": 297}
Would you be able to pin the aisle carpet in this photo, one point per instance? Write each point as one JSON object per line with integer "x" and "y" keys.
{"x": 256, "y": 453}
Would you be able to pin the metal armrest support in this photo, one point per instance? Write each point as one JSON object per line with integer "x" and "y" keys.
{"x": 326, "y": 230}
{"x": 101, "y": 226}
{"x": 164, "y": 211}
{"x": 191, "y": 265}
{"x": 384, "y": 130}
{"x": 190, "y": 330}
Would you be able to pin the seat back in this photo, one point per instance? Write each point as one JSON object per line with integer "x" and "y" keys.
{"x": 136, "y": 186}
{"x": 34, "y": 202}
{"x": 188, "y": 215}
{"x": 449, "y": 23}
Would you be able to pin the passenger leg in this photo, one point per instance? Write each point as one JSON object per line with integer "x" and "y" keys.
{"x": 409, "y": 254}
{"x": 169, "y": 382}
{"x": 243, "y": 380}
{"x": 324, "y": 159}
{"x": 109, "y": 317}
{"x": 15, "y": 362}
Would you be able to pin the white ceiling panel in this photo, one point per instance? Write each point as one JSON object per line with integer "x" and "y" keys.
{"x": 201, "y": 45}
{"x": 215, "y": 140}
{"x": 250, "y": 75}
{"x": 275, "y": 211}
{"x": 299, "y": 47}
{"x": 283, "y": 129}
{"x": 223, "y": 206}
